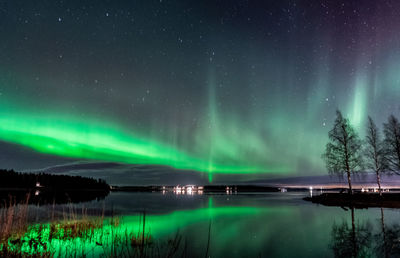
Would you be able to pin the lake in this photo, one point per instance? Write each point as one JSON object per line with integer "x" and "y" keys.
{"x": 247, "y": 225}
{"x": 254, "y": 225}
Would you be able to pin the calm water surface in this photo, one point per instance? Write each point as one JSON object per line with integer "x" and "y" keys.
{"x": 254, "y": 225}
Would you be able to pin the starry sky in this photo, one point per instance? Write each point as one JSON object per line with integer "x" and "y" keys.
{"x": 241, "y": 88}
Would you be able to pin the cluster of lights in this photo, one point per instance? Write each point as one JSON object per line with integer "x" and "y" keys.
{"x": 375, "y": 190}
{"x": 229, "y": 190}
{"x": 187, "y": 189}
{"x": 37, "y": 186}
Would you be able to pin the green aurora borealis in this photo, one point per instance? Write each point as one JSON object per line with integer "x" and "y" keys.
{"x": 95, "y": 141}
{"x": 222, "y": 88}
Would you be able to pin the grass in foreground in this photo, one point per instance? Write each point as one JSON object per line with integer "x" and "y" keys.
{"x": 77, "y": 234}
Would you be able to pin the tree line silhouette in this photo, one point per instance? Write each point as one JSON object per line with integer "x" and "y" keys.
{"x": 346, "y": 154}
{"x": 12, "y": 179}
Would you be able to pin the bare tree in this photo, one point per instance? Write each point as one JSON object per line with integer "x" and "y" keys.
{"x": 343, "y": 152}
{"x": 375, "y": 152}
{"x": 392, "y": 143}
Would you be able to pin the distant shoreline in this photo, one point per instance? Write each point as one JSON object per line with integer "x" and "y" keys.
{"x": 241, "y": 188}
{"x": 214, "y": 188}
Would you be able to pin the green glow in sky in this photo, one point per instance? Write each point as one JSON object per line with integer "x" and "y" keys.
{"x": 100, "y": 141}
{"x": 264, "y": 133}
{"x": 357, "y": 114}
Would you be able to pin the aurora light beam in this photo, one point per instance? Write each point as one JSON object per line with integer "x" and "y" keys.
{"x": 99, "y": 142}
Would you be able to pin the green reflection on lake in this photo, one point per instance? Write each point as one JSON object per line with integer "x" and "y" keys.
{"x": 275, "y": 225}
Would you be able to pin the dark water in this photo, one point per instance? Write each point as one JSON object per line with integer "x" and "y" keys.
{"x": 244, "y": 225}
{"x": 266, "y": 225}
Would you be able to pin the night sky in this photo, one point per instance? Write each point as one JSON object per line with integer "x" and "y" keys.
{"x": 239, "y": 88}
